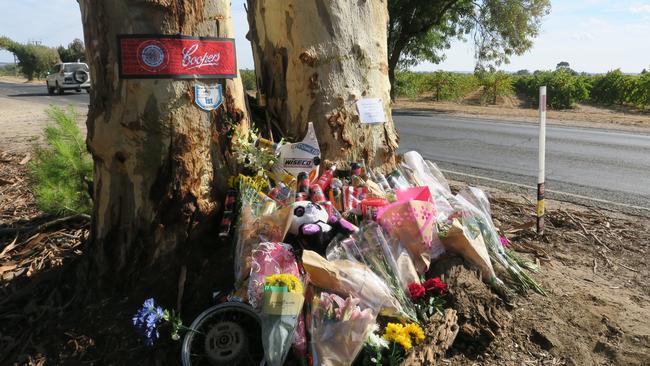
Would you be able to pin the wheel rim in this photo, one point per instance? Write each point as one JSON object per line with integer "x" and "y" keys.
{"x": 226, "y": 334}
{"x": 225, "y": 341}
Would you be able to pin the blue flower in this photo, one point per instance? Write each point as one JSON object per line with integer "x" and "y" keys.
{"x": 147, "y": 319}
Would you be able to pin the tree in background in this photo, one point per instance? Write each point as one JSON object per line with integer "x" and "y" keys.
{"x": 562, "y": 65}
{"x": 75, "y": 51}
{"x": 523, "y": 72}
{"x": 495, "y": 84}
{"x": 34, "y": 60}
{"x": 421, "y": 30}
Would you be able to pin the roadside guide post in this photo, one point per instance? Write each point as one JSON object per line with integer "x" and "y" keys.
{"x": 542, "y": 158}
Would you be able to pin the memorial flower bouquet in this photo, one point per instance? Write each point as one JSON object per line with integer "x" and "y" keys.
{"x": 339, "y": 328}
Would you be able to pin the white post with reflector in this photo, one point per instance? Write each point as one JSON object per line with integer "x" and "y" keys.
{"x": 542, "y": 159}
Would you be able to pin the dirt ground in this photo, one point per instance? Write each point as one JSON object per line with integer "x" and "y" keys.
{"x": 22, "y": 120}
{"x": 515, "y": 109}
{"x": 594, "y": 267}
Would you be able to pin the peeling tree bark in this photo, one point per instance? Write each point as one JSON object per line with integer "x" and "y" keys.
{"x": 161, "y": 163}
{"x": 313, "y": 60}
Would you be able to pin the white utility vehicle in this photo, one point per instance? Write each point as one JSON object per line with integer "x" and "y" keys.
{"x": 68, "y": 76}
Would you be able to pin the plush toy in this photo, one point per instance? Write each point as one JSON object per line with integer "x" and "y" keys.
{"x": 313, "y": 228}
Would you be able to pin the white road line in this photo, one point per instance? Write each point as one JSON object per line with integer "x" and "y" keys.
{"x": 548, "y": 190}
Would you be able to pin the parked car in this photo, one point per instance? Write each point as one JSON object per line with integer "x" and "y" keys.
{"x": 68, "y": 76}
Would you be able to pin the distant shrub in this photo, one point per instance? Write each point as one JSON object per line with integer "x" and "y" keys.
{"x": 248, "y": 79}
{"x": 495, "y": 84}
{"x": 613, "y": 88}
{"x": 443, "y": 85}
{"x": 409, "y": 84}
{"x": 563, "y": 88}
{"x": 9, "y": 70}
{"x": 62, "y": 168}
{"x": 641, "y": 92}
{"x": 450, "y": 85}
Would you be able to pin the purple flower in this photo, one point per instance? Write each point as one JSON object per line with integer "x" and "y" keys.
{"x": 504, "y": 241}
{"x": 147, "y": 319}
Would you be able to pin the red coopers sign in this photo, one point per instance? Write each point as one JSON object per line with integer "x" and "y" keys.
{"x": 176, "y": 57}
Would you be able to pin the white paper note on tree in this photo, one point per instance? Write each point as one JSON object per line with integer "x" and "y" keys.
{"x": 371, "y": 110}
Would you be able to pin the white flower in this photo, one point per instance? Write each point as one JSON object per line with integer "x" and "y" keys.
{"x": 374, "y": 340}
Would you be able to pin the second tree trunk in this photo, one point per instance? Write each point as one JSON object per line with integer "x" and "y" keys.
{"x": 314, "y": 60}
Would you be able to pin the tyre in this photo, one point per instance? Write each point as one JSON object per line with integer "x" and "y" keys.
{"x": 80, "y": 76}
{"x": 50, "y": 91}
{"x": 225, "y": 334}
{"x": 59, "y": 89}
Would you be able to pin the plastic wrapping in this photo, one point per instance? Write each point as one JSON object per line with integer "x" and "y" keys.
{"x": 253, "y": 229}
{"x": 268, "y": 259}
{"x": 414, "y": 224}
{"x": 477, "y": 219}
{"x": 339, "y": 328}
{"x": 350, "y": 277}
{"x": 370, "y": 247}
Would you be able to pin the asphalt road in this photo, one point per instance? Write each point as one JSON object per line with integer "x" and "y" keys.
{"x": 37, "y": 93}
{"x": 589, "y": 166}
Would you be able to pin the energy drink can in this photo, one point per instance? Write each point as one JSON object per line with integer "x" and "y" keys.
{"x": 303, "y": 183}
{"x": 302, "y": 196}
{"x": 228, "y": 213}
{"x": 316, "y": 192}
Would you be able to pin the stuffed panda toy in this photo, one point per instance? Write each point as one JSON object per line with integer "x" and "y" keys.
{"x": 312, "y": 227}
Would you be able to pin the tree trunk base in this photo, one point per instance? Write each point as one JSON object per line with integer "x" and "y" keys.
{"x": 441, "y": 333}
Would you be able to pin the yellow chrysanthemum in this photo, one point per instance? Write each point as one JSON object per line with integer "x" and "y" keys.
{"x": 415, "y": 332}
{"x": 404, "y": 340}
{"x": 392, "y": 331}
{"x": 291, "y": 282}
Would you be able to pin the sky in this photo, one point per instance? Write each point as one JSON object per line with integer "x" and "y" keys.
{"x": 592, "y": 35}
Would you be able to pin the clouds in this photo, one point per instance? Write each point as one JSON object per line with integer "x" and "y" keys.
{"x": 592, "y": 35}
{"x": 640, "y": 8}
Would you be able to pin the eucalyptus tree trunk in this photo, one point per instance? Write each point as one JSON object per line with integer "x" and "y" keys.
{"x": 314, "y": 60}
{"x": 161, "y": 163}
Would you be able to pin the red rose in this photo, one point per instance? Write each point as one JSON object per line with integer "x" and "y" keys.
{"x": 435, "y": 286}
{"x": 416, "y": 290}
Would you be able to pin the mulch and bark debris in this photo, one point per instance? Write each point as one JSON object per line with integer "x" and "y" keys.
{"x": 594, "y": 267}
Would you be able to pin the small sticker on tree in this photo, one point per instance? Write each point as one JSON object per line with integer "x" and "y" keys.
{"x": 371, "y": 110}
{"x": 208, "y": 97}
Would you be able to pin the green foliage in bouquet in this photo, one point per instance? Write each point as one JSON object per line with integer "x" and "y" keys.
{"x": 254, "y": 157}
{"x": 62, "y": 168}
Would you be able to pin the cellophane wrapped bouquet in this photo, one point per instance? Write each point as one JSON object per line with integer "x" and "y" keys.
{"x": 276, "y": 291}
{"x": 339, "y": 328}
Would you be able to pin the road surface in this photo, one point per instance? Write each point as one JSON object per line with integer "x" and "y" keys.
{"x": 38, "y": 94}
{"x": 610, "y": 169}
{"x": 605, "y": 168}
